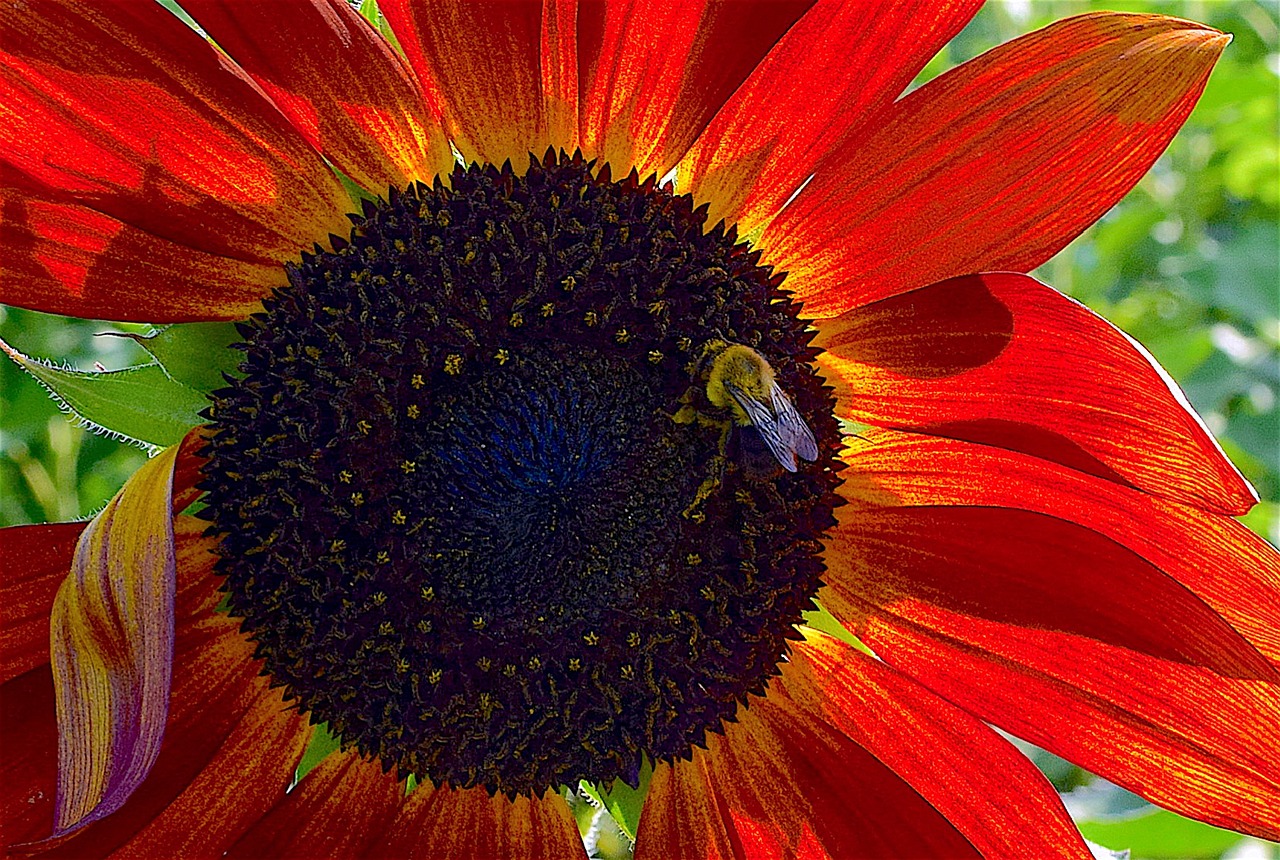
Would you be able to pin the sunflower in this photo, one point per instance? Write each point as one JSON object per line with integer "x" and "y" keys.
{"x": 555, "y": 324}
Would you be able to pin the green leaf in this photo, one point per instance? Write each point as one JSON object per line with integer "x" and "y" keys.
{"x": 622, "y": 801}
{"x": 369, "y": 9}
{"x": 142, "y": 404}
{"x": 322, "y": 743}
{"x": 820, "y": 619}
{"x": 1160, "y": 834}
{"x": 173, "y": 7}
{"x": 194, "y": 354}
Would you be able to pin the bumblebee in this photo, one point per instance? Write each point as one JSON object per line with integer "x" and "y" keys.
{"x": 743, "y": 392}
{"x": 740, "y": 381}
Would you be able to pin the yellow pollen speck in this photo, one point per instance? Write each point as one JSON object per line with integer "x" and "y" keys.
{"x": 478, "y": 622}
{"x": 484, "y": 664}
{"x": 408, "y": 466}
{"x": 338, "y": 545}
{"x": 357, "y": 499}
{"x": 622, "y": 335}
{"x": 534, "y": 663}
{"x": 591, "y": 318}
{"x": 386, "y": 628}
{"x": 633, "y": 639}
{"x": 517, "y": 319}
{"x": 591, "y": 638}
{"x": 402, "y": 666}
{"x": 434, "y": 676}
{"x": 569, "y": 283}
{"x": 509, "y": 670}
{"x": 312, "y": 352}
{"x": 574, "y": 664}
{"x": 424, "y": 626}
{"x": 548, "y": 309}
{"x": 693, "y": 558}
{"x": 345, "y": 477}
{"x": 502, "y": 356}
{"x": 398, "y": 518}
{"x": 708, "y": 592}
{"x": 383, "y": 556}
{"x": 453, "y": 364}
{"x": 416, "y": 380}
{"x": 378, "y": 599}
{"x": 428, "y": 593}
{"x": 627, "y": 671}
{"x": 413, "y": 411}
{"x": 654, "y": 356}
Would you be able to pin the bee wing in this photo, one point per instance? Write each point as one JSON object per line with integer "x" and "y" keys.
{"x": 795, "y": 430}
{"x": 783, "y": 430}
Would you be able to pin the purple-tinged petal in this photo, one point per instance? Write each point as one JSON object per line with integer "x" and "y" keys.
{"x": 111, "y": 643}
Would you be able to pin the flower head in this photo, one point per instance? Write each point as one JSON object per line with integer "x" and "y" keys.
{"x": 532, "y": 461}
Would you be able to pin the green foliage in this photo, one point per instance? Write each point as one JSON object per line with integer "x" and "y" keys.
{"x": 141, "y": 403}
{"x": 321, "y": 745}
{"x": 1158, "y": 834}
{"x": 623, "y": 801}
{"x": 196, "y": 355}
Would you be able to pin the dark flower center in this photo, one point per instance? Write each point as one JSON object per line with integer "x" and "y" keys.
{"x": 463, "y": 508}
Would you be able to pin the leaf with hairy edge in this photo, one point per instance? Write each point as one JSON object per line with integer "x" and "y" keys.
{"x": 141, "y": 404}
{"x": 194, "y": 354}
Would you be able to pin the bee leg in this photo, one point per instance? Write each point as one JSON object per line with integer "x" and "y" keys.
{"x": 685, "y": 414}
{"x": 709, "y": 485}
{"x": 688, "y": 413}
{"x": 715, "y": 468}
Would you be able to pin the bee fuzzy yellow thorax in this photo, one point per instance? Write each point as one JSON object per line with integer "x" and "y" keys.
{"x": 741, "y": 367}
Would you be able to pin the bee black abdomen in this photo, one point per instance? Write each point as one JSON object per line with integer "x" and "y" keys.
{"x": 748, "y": 450}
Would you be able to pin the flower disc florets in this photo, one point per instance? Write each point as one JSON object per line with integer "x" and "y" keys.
{"x": 456, "y": 511}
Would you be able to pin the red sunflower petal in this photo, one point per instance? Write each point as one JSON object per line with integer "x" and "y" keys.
{"x": 111, "y": 633}
{"x": 481, "y": 65}
{"x": 797, "y": 105}
{"x": 64, "y": 258}
{"x": 1116, "y": 629}
{"x": 337, "y": 810}
{"x": 230, "y": 744}
{"x": 654, "y": 74}
{"x": 186, "y": 469}
{"x": 995, "y": 165}
{"x": 781, "y": 782}
{"x": 1005, "y": 360}
{"x": 184, "y": 147}
{"x": 28, "y": 757}
{"x": 34, "y": 560}
{"x": 468, "y": 823}
{"x": 976, "y": 779}
{"x": 338, "y": 81}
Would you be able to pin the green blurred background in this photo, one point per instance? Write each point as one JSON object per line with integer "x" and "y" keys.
{"x": 1188, "y": 263}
